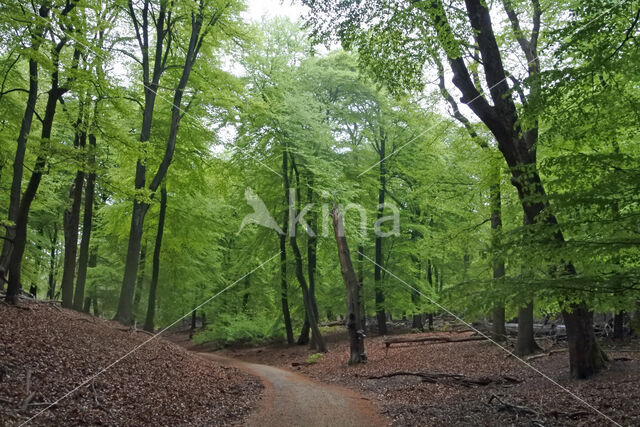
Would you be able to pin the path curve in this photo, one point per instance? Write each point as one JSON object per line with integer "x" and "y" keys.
{"x": 291, "y": 399}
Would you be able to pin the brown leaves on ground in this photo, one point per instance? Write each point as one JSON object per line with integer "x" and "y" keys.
{"x": 159, "y": 384}
{"x": 409, "y": 400}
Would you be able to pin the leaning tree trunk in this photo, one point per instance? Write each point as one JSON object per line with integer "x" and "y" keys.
{"x": 20, "y": 240}
{"x": 354, "y": 319}
{"x": 87, "y": 224}
{"x": 18, "y": 162}
{"x": 155, "y": 268}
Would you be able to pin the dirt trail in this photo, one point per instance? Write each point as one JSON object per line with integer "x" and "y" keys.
{"x": 294, "y": 400}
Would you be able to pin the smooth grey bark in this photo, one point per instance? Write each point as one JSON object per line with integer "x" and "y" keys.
{"x": 284, "y": 292}
{"x": 526, "y": 343}
{"x": 155, "y": 268}
{"x": 52, "y": 262}
{"x": 87, "y": 225}
{"x": 72, "y": 217}
{"x": 377, "y": 271}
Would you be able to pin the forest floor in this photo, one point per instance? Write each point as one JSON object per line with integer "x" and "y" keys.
{"x": 488, "y": 387}
{"x": 46, "y": 351}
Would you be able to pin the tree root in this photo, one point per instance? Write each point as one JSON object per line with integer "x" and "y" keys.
{"x": 504, "y": 406}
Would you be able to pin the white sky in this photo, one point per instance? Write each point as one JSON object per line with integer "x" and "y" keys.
{"x": 256, "y": 9}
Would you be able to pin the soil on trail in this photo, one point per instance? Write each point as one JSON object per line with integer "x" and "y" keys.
{"x": 46, "y": 351}
{"x": 294, "y": 400}
{"x": 392, "y": 380}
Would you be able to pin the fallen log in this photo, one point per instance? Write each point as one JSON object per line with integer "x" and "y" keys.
{"x": 550, "y": 353}
{"x": 433, "y": 340}
{"x": 334, "y": 323}
{"x": 433, "y": 377}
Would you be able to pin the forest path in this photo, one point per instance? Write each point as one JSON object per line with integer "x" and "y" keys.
{"x": 292, "y": 399}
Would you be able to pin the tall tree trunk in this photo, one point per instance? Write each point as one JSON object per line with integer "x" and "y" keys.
{"x": 87, "y": 224}
{"x": 284, "y": 293}
{"x": 417, "y": 318}
{"x": 125, "y": 303}
{"x": 140, "y": 282}
{"x": 155, "y": 268}
{"x": 618, "y": 325}
{"x": 363, "y": 309}
{"x": 377, "y": 272}
{"x": 312, "y": 242}
{"x": 151, "y": 84}
{"x": 52, "y": 262}
{"x": 86, "y": 307}
{"x": 518, "y": 146}
{"x": 586, "y": 358}
{"x": 20, "y": 240}
{"x": 497, "y": 314}
{"x": 354, "y": 319}
{"x": 293, "y": 242}
{"x": 18, "y": 162}
{"x": 284, "y": 298}
{"x": 72, "y": 216}
{"x": 526, "y": 343}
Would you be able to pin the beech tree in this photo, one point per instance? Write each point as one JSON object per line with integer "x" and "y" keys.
{"x": 164, "y": 21}
{"x": 418, "y": 30}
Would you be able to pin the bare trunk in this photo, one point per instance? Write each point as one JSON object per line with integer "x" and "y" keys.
{"x": 363, "y": 309}
{"x": 87, "y": 224}
{"x": 293, "y": 242}
{"x": 377, "y": 272}
{"x": 72, "y": 219}
{"x": 354, "y": 319}
{"x": 142, "y": 263}
{"x": 497, "y": 314}
{"x": 52, "y": 262}
{"x": 155, "y": 268}
{"x": 526, "y": 343}
{"x": 18, "y": 162}
{"x": 618, "y": 325}
{"x": 124, "y": 314}
{"x": 284, "y": 293}
{"x": 20, "y": 240}
{"x": 312, "y": 242}
{"x": 586, "y": 358}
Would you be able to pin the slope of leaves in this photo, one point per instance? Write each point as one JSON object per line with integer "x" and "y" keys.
{"x": 159, "y": 384}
